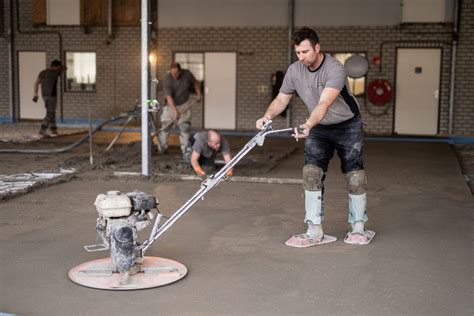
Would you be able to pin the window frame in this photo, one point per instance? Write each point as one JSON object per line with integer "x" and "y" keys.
{"x": 363, "y": 94}
{"x": 66, "y": 90}
{"x": 184, "y": 66}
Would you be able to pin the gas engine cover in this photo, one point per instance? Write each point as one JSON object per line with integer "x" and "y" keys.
{"x": 113, "y": 204}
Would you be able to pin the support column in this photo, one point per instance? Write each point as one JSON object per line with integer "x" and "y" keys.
{"x": 146, "y": 148}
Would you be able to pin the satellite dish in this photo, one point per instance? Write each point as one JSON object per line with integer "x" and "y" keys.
{"x": 356, "y": 66}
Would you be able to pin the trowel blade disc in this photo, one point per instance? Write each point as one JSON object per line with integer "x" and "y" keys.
{"x": 153, "y": 272}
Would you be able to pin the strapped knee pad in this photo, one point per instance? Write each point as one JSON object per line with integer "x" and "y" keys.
{"x": 313, "y": 178}
{"x": 357, "y": 182}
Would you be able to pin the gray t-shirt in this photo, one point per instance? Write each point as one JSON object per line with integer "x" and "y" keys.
{"x": 179, "y": 88}
{"x": 49, "y": 80}
{"x": 200, "y": 146}
{"x": 310, "y": 84}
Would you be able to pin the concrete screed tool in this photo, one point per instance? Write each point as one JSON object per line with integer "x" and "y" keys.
{"x": 122, "y": 216}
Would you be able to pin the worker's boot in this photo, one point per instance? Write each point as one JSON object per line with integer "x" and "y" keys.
{"x": 54, "y": 132}
{"x": 42, "y": 131}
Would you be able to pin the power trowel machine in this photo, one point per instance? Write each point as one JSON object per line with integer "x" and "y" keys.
{"x": 122, "y": 216}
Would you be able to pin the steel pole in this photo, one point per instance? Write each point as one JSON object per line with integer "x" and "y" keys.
{"x": 145, "y": 133}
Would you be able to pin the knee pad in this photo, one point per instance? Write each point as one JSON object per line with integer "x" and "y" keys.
{"x": 357, "y": 182}
{"x": 313, "y": 178}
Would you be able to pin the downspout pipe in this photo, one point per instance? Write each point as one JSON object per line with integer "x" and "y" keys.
{"x": 291, "y": 27}
{"x": 110, "y": 34}
{"x": 457, "y": 10}
{"x": 60, "y": 39}
{"x": 3, "y": 32}
{"x": 11, "y": 59}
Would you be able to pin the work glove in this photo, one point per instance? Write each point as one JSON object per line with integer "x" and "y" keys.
{"x": 200, "y": 173}
{"x": 35, "y": 99}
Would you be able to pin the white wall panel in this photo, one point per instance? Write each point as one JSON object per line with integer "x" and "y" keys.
{"x": 427, "y": 11}
{"x": 417, "y": 93}
{"x": 30, "y": 65}
{"x": 200, "y": 13}
{"x": 347, "y": 12}
{"x": 63, "y": 12}
{"x": 240, "y": 13}
{"x": 220, "y": 77}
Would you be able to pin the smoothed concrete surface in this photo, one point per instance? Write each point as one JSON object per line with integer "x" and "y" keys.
{"x": 232, "y": 242}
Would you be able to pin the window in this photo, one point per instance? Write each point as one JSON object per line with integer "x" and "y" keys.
{"x": 357, "y": 86}
{"x": 194, "y": 62}
{"x": 81, "y": 71}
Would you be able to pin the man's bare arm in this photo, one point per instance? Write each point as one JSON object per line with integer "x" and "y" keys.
{"x": 277, "y": 106}
{"x": 195, "y": 164}
{"x": 328, "y": 96}
{"x": 36, "y": 86}
{"x": 227, "y": 158}
{"x": 197, "y": 89}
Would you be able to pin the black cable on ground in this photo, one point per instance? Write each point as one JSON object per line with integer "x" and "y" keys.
{"x": 58, "y": 150}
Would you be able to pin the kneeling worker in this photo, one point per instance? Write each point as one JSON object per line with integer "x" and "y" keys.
{"x": 205, "y": 147}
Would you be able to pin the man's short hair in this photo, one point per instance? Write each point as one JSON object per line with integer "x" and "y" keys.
{"x": 56, "y": 63}
{"x": 305, "y": 33}
{"x": 175, "y": 66}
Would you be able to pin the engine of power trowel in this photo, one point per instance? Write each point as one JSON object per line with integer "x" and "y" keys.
{"x": 121, "y": 217}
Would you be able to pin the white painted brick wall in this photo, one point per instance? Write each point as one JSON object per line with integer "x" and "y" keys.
{"x": 261, "y": 51}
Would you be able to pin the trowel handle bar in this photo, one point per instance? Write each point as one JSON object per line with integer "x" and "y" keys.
{"x": 209, "y": 184}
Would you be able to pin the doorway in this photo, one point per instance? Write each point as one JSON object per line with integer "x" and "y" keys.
{"x": 417, "y": 91}
{"x": 30, "y": 65}
{"x": 220, "y": 76}
{"x": 217, "y": 72}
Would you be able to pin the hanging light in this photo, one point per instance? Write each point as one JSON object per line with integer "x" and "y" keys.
{"x": 152, "y": 58}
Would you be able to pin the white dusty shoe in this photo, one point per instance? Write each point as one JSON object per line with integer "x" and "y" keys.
{"x": 359, "y": 238}
{"x": 304, "y": 241}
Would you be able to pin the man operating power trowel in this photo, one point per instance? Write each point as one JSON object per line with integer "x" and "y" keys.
{"x": 334, "y": 124}
{"x": 177, "y": 110}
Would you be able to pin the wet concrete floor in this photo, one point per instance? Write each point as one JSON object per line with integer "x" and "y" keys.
{"x": 420, "y": 262}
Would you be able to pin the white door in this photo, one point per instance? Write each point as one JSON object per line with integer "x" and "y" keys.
{"x": 417, "y": 91}
{"x": 220, "y": 74}
{"x": 30, "y": 65}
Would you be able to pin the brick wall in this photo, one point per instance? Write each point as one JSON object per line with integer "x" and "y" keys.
{"x": 260, "y": 52}
{"x": 4, "y": 65}
{"x": 463, "y": 96}
{"x": 118, "y": 65}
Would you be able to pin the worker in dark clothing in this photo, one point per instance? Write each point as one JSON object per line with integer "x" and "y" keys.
{"x": 48, "y": 79}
